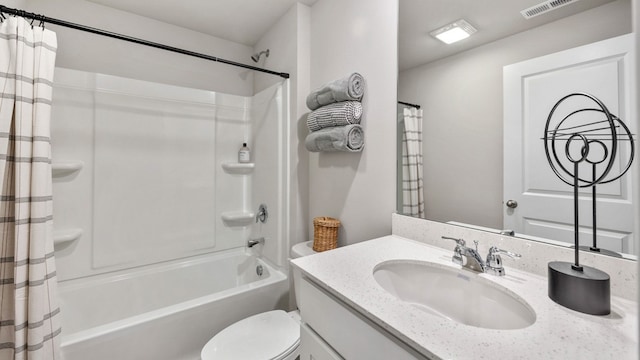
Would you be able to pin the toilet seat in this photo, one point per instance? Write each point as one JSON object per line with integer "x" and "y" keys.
{"x": 271, "y": 335}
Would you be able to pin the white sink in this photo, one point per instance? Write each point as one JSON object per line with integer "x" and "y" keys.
{"x": 458, "y": 295}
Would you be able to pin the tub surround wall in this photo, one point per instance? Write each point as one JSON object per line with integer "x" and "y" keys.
{"x": 535, "y": 255}
{"x": 153, "y": 187}
{"x": 269, "y": 147}
{"x": 94, "y": 53}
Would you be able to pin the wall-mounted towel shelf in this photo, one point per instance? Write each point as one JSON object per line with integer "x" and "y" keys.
{"x": 238, "y": 168}
{"x": 238, "y": 218}
{"x": 66, "y": 236}
{"x": 65, "y": 168}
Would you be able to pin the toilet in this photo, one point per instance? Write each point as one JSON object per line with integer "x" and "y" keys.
{"x": 271, "y": 335}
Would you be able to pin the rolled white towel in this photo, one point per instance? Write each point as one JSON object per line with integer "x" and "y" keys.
{"x": 348, "y": 138}
{"x": 348, "y": 88}
{"x": 336, "y": 114}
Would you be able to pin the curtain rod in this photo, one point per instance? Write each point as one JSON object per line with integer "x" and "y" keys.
{"x": 45, "y": 19}
{"x": 409, "y": 104}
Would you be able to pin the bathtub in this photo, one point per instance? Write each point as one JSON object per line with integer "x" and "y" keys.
{"x": 165, "y": 311}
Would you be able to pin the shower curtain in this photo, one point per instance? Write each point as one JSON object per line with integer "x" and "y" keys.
{"x": 29, "y": 312}
{"x": 412, "y": 185}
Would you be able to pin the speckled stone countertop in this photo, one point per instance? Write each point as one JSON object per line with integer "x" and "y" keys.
{"x": 558, "y": 332}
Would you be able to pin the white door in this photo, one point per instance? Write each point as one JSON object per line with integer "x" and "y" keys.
{"x": 544, "y": 202}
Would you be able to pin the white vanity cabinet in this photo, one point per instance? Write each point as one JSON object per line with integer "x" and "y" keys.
{"x": 347, "y": 313}
{"x": 333, "y": 330}
{"x": 312, "y": 347}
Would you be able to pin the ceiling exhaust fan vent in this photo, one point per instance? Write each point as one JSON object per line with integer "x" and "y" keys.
{"x": 544, "y": 7}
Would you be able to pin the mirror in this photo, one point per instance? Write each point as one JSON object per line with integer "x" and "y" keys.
{"x": 460, "y": 90}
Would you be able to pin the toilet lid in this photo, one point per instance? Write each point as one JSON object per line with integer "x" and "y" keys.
{"x": 270, "y": 335}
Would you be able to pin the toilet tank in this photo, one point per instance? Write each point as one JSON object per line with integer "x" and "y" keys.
{"x": 302, "y": 249}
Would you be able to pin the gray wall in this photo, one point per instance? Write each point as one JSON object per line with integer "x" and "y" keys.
{"x": 357, "y": 188}
{"x": 462, "y": 100}
{"x": 334, "y": 38}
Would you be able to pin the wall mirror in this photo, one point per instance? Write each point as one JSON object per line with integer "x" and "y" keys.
{"x": 460, "y": 90}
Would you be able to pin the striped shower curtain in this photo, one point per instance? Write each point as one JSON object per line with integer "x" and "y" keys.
{"x": 412, "y": 185}
{"x": 29, "y": 312}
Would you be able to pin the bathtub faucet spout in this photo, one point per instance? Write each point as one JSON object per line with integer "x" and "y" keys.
{"x": 254, "y": 242}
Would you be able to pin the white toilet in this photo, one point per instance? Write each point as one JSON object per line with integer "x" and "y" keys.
{"x": 272, "y": 335}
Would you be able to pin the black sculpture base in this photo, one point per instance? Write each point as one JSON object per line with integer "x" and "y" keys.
{"x": 587, "y": 291}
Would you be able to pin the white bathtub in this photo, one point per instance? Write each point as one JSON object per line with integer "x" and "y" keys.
{"x": 166, "y": 311}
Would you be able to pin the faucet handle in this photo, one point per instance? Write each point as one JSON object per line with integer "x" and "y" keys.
{"x": 457, "y": 252}
{"x": 460, "y": 242}
{"x": 494, "y": 260}
{"x": 496, "y": 250}
{"x": 262, "y": 214}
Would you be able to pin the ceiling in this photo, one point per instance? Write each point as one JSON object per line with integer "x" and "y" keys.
{"x": 240, "y": 21}
{"x": 245, "y": 21}
{"x": 494, "y": 19}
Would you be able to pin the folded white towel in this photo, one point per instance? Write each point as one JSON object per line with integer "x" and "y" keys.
{"x": 348, "y": 88}
{"x": 348, "y": 138}
{"x": 336, "y": 114}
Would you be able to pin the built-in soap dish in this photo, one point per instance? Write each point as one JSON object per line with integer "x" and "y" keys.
{"x": 64, "y": 168}
{"x": 66, "y": 236}
{"x": 238, "y": 168}
{"x": 238, "y": 218}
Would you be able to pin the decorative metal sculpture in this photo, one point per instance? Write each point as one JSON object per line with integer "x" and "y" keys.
{"x": 583, "y": 288}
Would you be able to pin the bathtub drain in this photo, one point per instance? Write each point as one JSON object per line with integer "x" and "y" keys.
{"x": 259, "y": 270}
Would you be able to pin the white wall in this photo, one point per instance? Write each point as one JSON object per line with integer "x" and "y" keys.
{"x": 288, "y": 42}
{"x": 357, "y": 188}
{"x": 84, "y": 51}
{"x": 462, "y": 100}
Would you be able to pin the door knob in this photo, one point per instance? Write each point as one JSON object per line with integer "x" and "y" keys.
{"x": 512, "y": 204}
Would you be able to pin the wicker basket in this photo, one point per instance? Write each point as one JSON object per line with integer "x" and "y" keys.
{"x": 325, "y": 233}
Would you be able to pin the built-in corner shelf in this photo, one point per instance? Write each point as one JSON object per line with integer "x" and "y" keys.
{"x": 65, "y": 168}
{"x": 238, "y": 218}
{"x": 238, "y": 168}
{"x": 66, "y": 236}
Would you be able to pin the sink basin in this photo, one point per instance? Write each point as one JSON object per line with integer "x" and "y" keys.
{"x": 458, "y": 295}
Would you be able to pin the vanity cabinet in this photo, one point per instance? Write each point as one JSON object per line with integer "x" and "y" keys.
{"x": 349, "y": 310}
{"x": 313, "y": 347}
{"x": 333, "y": 330}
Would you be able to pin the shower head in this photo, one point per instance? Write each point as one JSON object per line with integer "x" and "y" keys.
{"x": 255, "y": 57}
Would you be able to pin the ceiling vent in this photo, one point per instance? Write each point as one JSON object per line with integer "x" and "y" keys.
{"x": 545, "y": 7}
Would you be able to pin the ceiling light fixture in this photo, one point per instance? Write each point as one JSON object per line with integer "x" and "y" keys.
{"x": 453, "y": 32}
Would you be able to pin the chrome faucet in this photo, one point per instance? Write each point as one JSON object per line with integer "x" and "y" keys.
{"x": 467, "y": 257}
{"x": 470, "y": 258}
{"x": 253, "y": 242}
